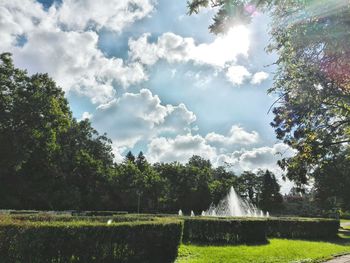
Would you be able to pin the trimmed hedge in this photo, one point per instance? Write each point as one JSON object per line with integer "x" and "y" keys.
{"x": 249, "y": 230}
{"x": 39, "y": 242}
{"x": 98, "y": 213}
{"x": 314, "y": 228}
{"x": 223, "y": 230}
{"x": 62, "y": 218}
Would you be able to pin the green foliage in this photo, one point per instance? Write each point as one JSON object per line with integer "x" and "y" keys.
{"x": 250, "y": 230}
{"x": 312, "y": 83}
{"x": 89, "y": 241}
{"x": 51, "y": 161}
{"x": 270, "y": 198}
{"x": 48, "y": 160}
{"x": 224, "y": 230}
{"x": 309, "y": 228}
{"x": 332, "y": 184}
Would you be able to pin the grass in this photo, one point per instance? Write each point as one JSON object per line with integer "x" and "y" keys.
{"x": 277, "y": 250}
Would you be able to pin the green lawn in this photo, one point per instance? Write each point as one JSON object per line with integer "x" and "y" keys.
{"x": 278, "y": 250}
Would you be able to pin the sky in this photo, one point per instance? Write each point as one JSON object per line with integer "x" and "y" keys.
{"x": 154, "y": 78}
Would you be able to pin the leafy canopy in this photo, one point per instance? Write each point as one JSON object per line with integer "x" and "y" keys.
{"x": 312, "y": 81}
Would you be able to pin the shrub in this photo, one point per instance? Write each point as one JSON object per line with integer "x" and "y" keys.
{"x": 39, "y": 242}
{"x": 223, "y": 230}
{"x": 302, "y": 227}
{"x": 345, "y": 214}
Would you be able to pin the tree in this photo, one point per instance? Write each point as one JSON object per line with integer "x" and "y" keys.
{"x": 332, "y": 184}
{"x": 48, "y": 160}
{"x": 249, "y": 186}
{"x": 223, "y": 180}
{"x": 141, "y": 161}
{"x": 129, "y": 157}
{"x": 312, "y": 79}
{"x": 270, "y": 198}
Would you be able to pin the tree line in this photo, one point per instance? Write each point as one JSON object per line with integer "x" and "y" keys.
{"x": 51, "y": 161}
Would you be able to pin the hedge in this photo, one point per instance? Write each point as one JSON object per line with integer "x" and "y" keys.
{"x": 98, "y": 213}
{"x": 39, "y": 242}
{"x": 223, "y": 230}
{"x": 313, "y": 228}
{"x": 64, "y": 218}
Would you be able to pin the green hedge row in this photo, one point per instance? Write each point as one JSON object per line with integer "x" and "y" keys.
{"x": 39, "y": 242}
{"x": 223, "y": 230}
{"x": 64, "y": 218}
{"x": 244, "y": 230}
{"x": 315, "y": 228}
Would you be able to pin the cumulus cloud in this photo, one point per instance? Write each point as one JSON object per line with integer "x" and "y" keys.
{"x": 237, "y": 136}
{"x": 115, "y": 15}
{"x": 140, "y": 116}
{"x": 259, "y": 77}
{"x": 237, "y": 74}
{"x": 180, "y": 148}
{"x": 64, "y": 44}
{"x": 175, "y": 48}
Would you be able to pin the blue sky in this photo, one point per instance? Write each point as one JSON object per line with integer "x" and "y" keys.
{"x": 153, "y": 77}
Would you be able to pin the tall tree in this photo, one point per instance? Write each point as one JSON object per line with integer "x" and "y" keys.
{"x": 249, "y": 186}
{"x": 48, "y": 160}
{"x": 270, "y": 198}
{"x": 312, "y": 114}
{"x": 129, "y": 157}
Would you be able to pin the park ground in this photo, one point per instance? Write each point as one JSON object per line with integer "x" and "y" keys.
{"x": 277, "y": 250}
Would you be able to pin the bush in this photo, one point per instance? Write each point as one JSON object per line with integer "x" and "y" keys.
{"x": 345, "y": 215}
{"x": 39, "y": 242}
{"x": 302, "y": 227}
{"x": 223, "y": 230}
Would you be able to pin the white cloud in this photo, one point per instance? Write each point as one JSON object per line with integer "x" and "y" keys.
{"x": 115, "y": 15}
{"x": 236, "y": 136}
{"x": 263, "y": 158}
{"x": 237, "y": 74}
{"x": 259, "y": 77}
{"x": 86, "y": 115}
{"x": 141, "y": 116}
{"x": 210, "y": 146}
{"x": 17, "y": 17}
{"x": 56, "y": 43}
{"x": 80, "y": 68}
{"x": 175, "y": 48}
{"x": 181, "y": 148}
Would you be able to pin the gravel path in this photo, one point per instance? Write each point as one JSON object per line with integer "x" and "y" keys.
{"x": 341, "y": 259}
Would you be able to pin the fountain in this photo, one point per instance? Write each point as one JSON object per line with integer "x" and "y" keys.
{"x": 233, "y": 205}
{"x": 192, "y": 213}
{"x": 180, "y": 213}
{"x": 110, "y": 221}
